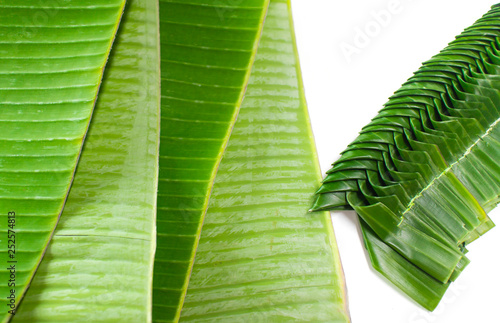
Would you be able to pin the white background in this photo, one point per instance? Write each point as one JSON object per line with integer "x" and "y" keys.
{"x": 344, "y": 91}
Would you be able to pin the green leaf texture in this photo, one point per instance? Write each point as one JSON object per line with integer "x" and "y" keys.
{"x": 261, "y": 256}
{"x": 52, "y": 57}
{"x": 98, "y": 266}
{"x": 424, "y": 172}
{"x": 207, "y": 50}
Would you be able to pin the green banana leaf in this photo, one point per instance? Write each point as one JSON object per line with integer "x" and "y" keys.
{"x": 261, "y": 256}
{"x": 207, "y": 51}
{"x": 424, "y": 172}
{"x": 99, "y": 264}
{"x": 49, "y": 83}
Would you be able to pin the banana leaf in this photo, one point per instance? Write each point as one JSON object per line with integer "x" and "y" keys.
{"x": 423, "y": 174}
{"x": 207, "y": 51}
{"x": 261, "y": 256}
{"x": 99, "y": 264}
{"x": 48, "y": 83}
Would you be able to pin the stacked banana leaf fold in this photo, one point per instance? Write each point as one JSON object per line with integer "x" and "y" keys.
{"x": 424, "y": 173}
{"x": 130, "y": 188}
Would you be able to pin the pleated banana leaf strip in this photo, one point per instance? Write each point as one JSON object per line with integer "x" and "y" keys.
{"x": 424, "y": 172}
{"x": 261, "y": 256}
{"x": 52, "y": 58}
{"x": 98, "y": 266}
{"x": 207, "y": 51}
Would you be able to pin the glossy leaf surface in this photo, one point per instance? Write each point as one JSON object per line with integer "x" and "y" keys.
{"x": 99, "y": 263}
{"x": 98, "y": 266}
{"x": 262, "y": 257}
{"x": 207, "y": 50}
{"x": 51, "y": 64}
{"x": 424, "y": 172}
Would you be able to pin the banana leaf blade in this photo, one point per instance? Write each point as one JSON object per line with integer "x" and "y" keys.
{"x": 207, "y": 51}
{"x": 48, "y": 84}
{"x": 262, "y": 257}
{"x": 98, "y": 266}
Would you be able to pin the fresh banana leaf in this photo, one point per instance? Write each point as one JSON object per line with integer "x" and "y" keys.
{"x": 207, "y": 50}
{"x": 424, "y": 172}
{"x": 261, "y": 256}
{"x": 283, "y": 263}
{"x": 48, "y": 84}
{"x": 99, "y": 264}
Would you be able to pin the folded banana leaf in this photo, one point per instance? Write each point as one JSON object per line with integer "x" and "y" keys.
{"x": 125, "y": 244}
{"x": 423, "y": 174}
